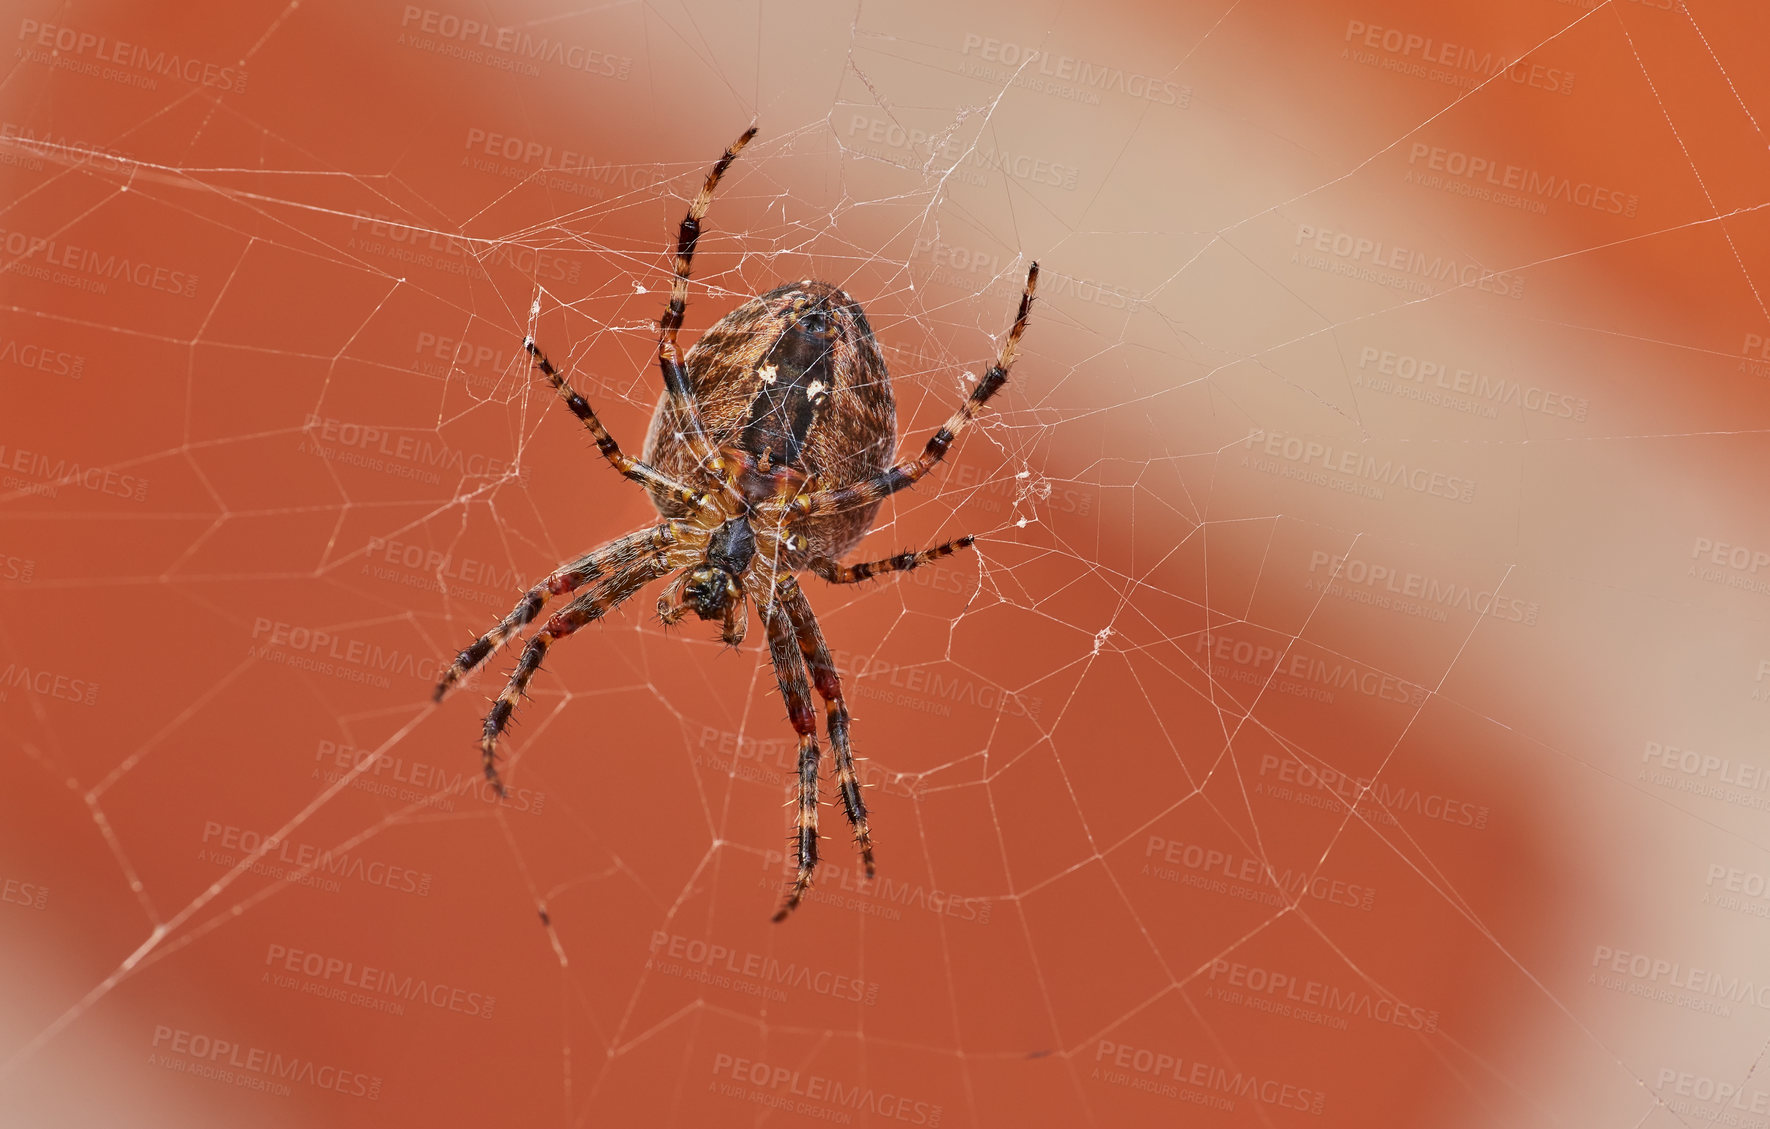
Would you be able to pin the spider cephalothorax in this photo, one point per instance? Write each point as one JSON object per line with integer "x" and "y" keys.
{"x": 768, "y": 455}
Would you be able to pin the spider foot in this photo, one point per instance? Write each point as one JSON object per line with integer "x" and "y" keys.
{"x": 449, "y": 678}
{"x": 801, "y": 883}
{"x": 804, "y": 840}
{"x": 470, "y": 657}
{"x": 489, "y": 750}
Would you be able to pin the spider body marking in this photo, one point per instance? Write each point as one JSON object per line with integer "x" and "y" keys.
{"x": 768, "y": 455}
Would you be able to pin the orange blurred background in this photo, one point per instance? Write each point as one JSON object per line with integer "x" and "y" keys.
{"x": 1353, "y": 711}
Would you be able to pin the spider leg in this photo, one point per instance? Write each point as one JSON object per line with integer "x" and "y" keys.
{"x": 789, "y": 671}
{"x": 591, "y": 606}
{"x": 566, "y": 578}
{"x": 643, "y": 473}
{"x": 893, "y": 479}
{"x": 829, "y": 687}
{"x": 669, "y": 359}
{"x": 838, "y": 573}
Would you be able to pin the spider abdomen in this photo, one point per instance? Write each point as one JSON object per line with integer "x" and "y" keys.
{"x": 794, "y": 379}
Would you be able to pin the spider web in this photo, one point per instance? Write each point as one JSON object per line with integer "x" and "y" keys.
{"x": 1350, "y": 712}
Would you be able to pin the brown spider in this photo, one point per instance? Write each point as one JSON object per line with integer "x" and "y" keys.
{"x": 767, "y": 456}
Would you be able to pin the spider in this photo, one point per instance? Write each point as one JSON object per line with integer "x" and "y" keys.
{"x": 767, "y": 456}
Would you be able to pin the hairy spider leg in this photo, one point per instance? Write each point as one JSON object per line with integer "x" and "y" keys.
{"x": 890, "y": 481}
{"x": 643, "y": 473}
{"x": 669, "y": 359}
{"x": 568, "y": 577}
{"x": 789, "y": 671}
{"x": 829, "y": 687}
{"x": 838, "y": 573}
{"x": 590, "y": 606}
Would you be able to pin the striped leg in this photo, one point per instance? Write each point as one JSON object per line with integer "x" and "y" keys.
{"x": 568, "y": 577}
{"x": 650, "y": 478}
{"x": 789, "y": 671}
{"x": 829, "y": 688}
{"x": 592, "y": 605}
{"x": 837, "y": 573}
{"x": 669, "y": 358}
{"x": 904, "y": 474}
